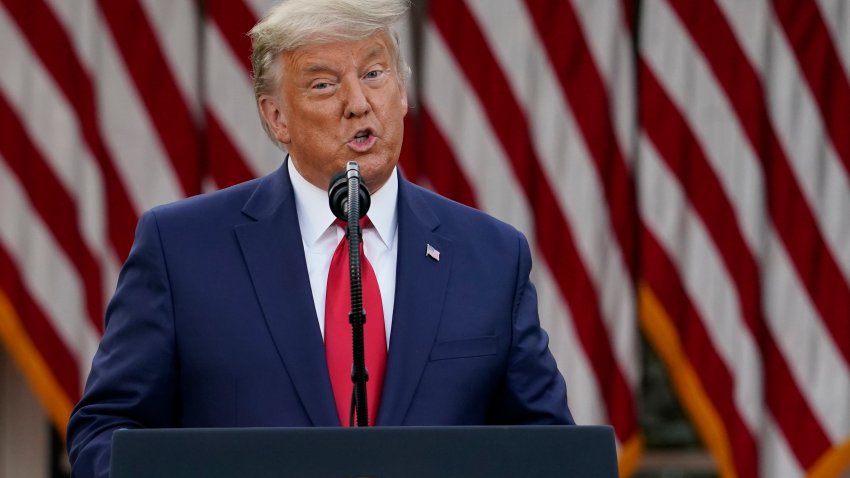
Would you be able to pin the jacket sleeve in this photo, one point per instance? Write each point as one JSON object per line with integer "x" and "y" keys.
{"x": 535, "y": 391}
{"x": 132, "y": 383}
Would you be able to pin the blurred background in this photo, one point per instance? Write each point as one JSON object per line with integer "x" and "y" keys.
{"x": 680, "y": 167}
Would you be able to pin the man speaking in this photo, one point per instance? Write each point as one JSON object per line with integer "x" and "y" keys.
{"x": 232, "y": 308}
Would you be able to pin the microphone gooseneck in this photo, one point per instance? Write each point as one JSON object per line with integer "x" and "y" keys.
{"x": 349, "y": 200}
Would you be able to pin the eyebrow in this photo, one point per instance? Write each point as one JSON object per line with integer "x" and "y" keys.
{"x": 318, "y": 68}
{"x": 313, "y": 68}
{"x": 374, "y": 51}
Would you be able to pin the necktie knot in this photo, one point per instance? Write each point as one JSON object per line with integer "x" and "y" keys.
{"x": 364, "y": 222}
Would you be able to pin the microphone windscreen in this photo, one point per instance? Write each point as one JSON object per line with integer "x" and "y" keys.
{"x": 338, "y": 195}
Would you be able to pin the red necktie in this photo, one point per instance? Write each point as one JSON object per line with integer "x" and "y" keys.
{"x": 338, "y": 331}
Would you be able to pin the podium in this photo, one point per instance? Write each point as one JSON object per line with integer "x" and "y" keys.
{"x": 379, "y": 452}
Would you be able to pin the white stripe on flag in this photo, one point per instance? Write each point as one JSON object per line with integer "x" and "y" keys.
{"x": 41, "y": 108}
{"x": 816, "y": 365}
{"x": 567, "y": 162}
{"x": 687, "y": 79}
{"x": 176, "y": 26}
{"x": 605, "y": 27}
{"x": 230, "y": 99}
{"x": 798, "y": 124}
{"x": 466, "y": 129}
{"x": 666, "y": 212}
{"x": 776, "y": 459}
{"x": 445, "y": 94}
{"x": 132, "y": 141}
{"x": 836, "y": 14}
{"x": 52, "y": 281}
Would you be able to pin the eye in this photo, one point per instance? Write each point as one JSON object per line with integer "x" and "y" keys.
{"x": 322, "y": 85}
{"x": 373, "y": 74}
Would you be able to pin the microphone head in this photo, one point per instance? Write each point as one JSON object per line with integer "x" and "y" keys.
{"x": 338, "y": 195}
{"x": 338, "y": 192}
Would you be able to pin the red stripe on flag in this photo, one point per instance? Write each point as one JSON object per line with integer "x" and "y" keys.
{"x": 630, "y": 16}
{"x": 665, "y": 281}
{"x": 587, "y": 93}
{"x": 448, "y": 178}
{"x": 53, "y": 46}
{"x": 683, "y": 155}
{"x": 788, "y": 208}
{"x": 819, "y": 62}
{"x": 226, "y": 165}
{"x": 39, "y": 329}
{"x": 464, "y": 36}
{"x": 234, "y": 20}
{"x": 155, "y": 83}
{"x": 53, "y": 203}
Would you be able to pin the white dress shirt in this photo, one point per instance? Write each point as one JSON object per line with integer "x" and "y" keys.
{"x": 321, "y": 236}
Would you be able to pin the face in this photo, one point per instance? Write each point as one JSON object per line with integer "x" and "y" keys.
{"x": 340, "y": 102}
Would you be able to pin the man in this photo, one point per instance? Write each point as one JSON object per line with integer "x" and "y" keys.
{"x": 221, "y": 317}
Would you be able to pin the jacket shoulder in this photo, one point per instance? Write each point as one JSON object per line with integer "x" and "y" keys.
{"x": 224, "y": 201}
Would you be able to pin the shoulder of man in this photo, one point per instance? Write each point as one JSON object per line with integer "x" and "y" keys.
{"x": 225, "y": 207}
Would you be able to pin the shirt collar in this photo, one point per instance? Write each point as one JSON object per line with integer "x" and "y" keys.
{"x": 315, "y": 216}
{"x": 383, "y": 210}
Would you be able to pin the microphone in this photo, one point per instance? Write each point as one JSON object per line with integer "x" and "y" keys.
{"x": 338, "y": 192}
{"x": 349, "y": 200}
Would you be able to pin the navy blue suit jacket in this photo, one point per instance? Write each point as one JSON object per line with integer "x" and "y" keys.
{"x": 213, "y": 324}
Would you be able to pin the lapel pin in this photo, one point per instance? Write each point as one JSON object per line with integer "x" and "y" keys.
{"x": 432, "y": 253}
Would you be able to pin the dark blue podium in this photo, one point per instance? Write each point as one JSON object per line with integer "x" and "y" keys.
{"x": 380, "y": 452}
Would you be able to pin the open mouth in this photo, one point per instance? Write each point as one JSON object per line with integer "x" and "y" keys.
{"x": 362, "y": 141}
{"x": 362, "y": 136}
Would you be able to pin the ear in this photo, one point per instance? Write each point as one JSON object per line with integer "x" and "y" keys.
{"x": 274, "y": 116}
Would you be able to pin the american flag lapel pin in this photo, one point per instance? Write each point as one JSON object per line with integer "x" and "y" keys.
{"x": 432, "y": 253}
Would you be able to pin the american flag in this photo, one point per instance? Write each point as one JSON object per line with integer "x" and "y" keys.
{"x": 680, "y": 167}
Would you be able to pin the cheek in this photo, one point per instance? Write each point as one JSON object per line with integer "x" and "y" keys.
{"x": 312, "y": 124}
{"x": 316, "y": 137}
{"x": 394, "y": 109}
{"x": 398, "y": 119}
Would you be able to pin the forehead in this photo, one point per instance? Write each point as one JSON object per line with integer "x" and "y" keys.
{"x": 337, "y": 54}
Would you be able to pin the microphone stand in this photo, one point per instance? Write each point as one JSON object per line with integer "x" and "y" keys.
{"x": 350, "y": 210}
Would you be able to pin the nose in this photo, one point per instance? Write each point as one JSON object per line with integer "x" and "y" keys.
{"x": 356, "y": 103}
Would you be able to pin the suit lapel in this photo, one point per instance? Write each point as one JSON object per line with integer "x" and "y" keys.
{"x": 273, "y": 251}
{"x": 420, "y": 290}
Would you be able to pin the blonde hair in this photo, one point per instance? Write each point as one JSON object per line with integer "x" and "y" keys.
{"x": 292, "y": 24}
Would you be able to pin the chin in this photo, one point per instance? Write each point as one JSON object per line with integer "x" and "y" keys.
{"x": 375, "y": 179}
